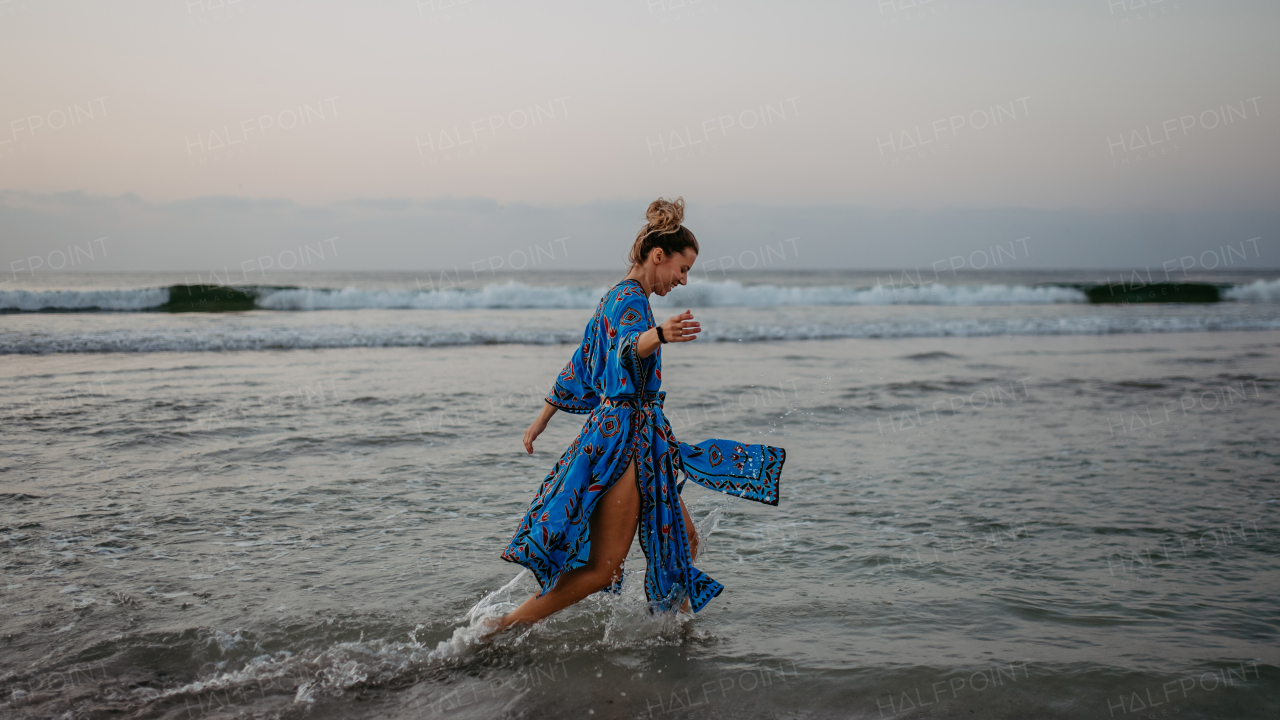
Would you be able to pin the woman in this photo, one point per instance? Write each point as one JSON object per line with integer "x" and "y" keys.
{"x": 621, "y": 471}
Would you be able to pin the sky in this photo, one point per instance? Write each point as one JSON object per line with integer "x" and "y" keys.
{"x": 191, "y": 134}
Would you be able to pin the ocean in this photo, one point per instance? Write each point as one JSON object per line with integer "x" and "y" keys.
{"x": 1009, "y": 494}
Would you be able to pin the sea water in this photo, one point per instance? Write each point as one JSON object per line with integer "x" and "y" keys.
{"x": 999, "y": 501}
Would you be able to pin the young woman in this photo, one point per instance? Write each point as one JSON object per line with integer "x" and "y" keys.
{"x": 621, "y": 471}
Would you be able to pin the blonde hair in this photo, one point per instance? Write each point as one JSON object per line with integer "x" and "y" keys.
{"x": 662, "y": 230}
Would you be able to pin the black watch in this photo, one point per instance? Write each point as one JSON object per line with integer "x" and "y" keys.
{"x": 661, "y": 339}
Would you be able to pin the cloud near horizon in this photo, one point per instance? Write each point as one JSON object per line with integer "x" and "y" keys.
{"x": 220, "y": 233}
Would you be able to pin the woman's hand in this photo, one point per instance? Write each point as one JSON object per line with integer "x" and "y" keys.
{"x": 532, "y": 434}
{"x": 681, "y": 328}
{"x": 538, "y": 425}
{"x": 677, "y": 328}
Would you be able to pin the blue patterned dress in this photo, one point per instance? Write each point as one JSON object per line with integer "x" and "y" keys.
{"x": 607, "y": 380}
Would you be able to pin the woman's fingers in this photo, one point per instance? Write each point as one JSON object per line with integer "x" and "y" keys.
{"x": 682, "y": 327}
{"x": 690, "y": 329}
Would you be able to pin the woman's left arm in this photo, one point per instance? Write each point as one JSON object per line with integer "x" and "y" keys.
{"x": 538, "y": 425}
{"x": 677, "y": 328}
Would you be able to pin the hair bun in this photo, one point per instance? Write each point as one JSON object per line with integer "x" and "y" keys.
{"x": 665, "y": 215}
{"x": 663, "y": 230}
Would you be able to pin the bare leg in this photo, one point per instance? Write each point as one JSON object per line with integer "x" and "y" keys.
{"x": 612, "y": 526}
{"x": 690, "y": 531}
{"x": 692, "y": 534}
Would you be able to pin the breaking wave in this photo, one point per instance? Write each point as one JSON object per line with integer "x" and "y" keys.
{"x": 513, "y": 295}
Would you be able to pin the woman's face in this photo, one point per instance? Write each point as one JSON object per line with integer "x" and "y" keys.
{"x": 672, "y": 270}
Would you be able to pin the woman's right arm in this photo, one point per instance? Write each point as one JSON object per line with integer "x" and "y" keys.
{"x": 539, "y": 424}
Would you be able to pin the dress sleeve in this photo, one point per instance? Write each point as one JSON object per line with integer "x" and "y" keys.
{"x": 572, "y": 391}
{"x": 624, "y": 321}
{"x": 749, "y": 471}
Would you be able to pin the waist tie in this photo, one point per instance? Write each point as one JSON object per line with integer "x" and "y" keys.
{"x": 636, "y": 400}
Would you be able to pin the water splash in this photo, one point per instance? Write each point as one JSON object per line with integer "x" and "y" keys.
{"x": 476, "y": 633}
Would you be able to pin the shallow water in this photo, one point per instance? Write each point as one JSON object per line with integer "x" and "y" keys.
{"x": 38, "y": 333}
{"x": 1076, "y": 526}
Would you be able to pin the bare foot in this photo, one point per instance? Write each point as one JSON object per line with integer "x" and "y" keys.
{"x": 493, "y": 626}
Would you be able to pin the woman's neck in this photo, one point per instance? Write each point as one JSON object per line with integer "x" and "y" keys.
{"x": 643, "y": 275}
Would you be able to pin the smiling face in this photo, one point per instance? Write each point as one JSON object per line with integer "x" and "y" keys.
{"x": 670, "y": 270}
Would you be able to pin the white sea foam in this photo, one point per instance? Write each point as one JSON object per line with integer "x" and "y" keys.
{"x": 35, "y": 300}
{"x": 508, "y": 295}
{"x": 514, "y": 295}
{"x": 709, "y": 294}
{"x": 1258, "y": 291}
{"x": 734, "y": 294}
